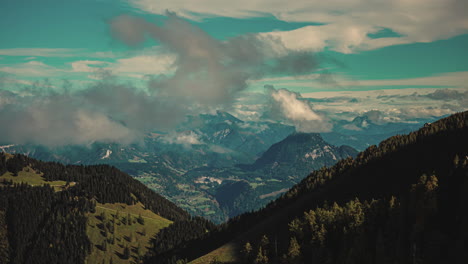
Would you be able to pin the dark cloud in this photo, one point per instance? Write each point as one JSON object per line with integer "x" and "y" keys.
{"x": 447, "y": 95}
{"x": 375, "y": 116}
{"x": 441, "y": 94}
{"x": 209, "y": 71}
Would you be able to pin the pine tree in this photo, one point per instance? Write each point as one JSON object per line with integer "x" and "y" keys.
{"x": 262, "y": 257}
{"x": 126, "y": 253}
{"x": 141, "y": 220}
{"x": 104, "y": 245}
{"x": 294, "y": 250}
{"x": 247, "y": 251}
{"x": 295, "y": 227}
{"x": 456, "y": 161}
{"x": 139, "y": 252}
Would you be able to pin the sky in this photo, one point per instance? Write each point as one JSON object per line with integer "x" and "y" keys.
{"x": 101, "y": 70}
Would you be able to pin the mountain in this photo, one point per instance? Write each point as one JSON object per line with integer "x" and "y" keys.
{"x": 403, "y": 201}
{"x": 245, "y": 187}
{"x": 225, "y": 130}
{"x": 51, "y": 213}
{"x": 302, "y": 150}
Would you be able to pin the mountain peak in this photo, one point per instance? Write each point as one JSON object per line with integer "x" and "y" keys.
{"x": 306, "y": 148}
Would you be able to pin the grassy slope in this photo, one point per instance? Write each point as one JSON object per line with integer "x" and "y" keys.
{"x": 125, "y": 235}
{"x": 29, "y": 176}
{"x": 226, "y": 253}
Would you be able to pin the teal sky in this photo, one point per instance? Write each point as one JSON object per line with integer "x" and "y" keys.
{"x": 82, "y": 26}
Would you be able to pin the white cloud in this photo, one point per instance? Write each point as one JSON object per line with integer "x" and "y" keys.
{"x": 145, "y": 64}
{"x": 292, "y": 107}
{"x": 136, "y": 66}
{"x": 96, "y": 127}
{"x": 40, "y": 52}
{"x": 186, "y": 139}
{"x": 392, "y": 105}
{"x": 31, "y": 69}
{"x": 346, "y": 22}
{"x": 84, "y": 65}
{"x": 451, "y": 79}
{"x": 288, "y": 106}
{"x": 55, "y": 52}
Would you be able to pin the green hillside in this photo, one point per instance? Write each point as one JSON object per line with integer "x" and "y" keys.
{"x": 52, "y": 213}
{"x": 33, "y": 178}
{"x": 114, "y": 227}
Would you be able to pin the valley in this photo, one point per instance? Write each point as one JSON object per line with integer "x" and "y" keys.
{"x": 209, "y": 153}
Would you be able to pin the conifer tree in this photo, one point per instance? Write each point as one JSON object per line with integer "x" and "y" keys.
{"x": 126, "y": 253}
{"x": 262, "y": 257}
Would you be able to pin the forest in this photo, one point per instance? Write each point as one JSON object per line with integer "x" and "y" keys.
{"x": 41, "y": 225}
{"x": 401, "y": 201}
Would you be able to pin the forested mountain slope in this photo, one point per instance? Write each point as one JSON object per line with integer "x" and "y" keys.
{"x": 403, "y": 201}
{"x": 51, "y": 213}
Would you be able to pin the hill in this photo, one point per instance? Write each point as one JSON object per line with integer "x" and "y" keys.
{"x": 403, "y": 201}
{"x": 52, "y": 213}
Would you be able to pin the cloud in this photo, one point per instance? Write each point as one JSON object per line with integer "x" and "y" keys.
{"x": 208, "y": 71}
{"x": 185, "y": 139}
{"x": 145, "y": 65}
{"x": 391, "y": 105}
{"x": 105, "y": 111}
{"x": 289, "y": 106}
{"x": 449, "y": 80}
{"x": 31, "y": 69}
{"x": 55, "y": 120}
{"x": 40, "y": 52}
{"x": 447, "y": 95}
{"x": 137, "y": 66}
{"x": 86, "y": 65}
{"x": 347, "y": 24}
{"x": 375, "y": 116}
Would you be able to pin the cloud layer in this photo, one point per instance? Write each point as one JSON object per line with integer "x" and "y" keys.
{"x": 347, "y": 24}
{"x": 392, "y": 105}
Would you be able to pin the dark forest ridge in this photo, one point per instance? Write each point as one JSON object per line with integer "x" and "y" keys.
{"x": 400, "y": 200}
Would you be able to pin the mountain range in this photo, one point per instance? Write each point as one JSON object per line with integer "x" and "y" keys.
{"x": 192, "y": 165}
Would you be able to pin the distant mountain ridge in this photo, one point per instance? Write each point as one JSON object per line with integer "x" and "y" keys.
{"x": 303, "y": 148}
